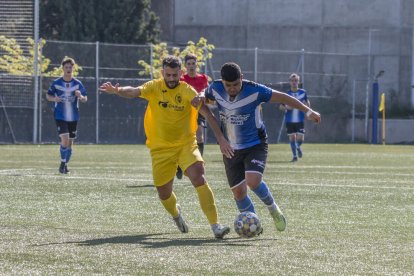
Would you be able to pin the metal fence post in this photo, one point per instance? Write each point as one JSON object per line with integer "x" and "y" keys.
{"x": 353, "y": 113}
{"x": 303, "y": 68}
{"x": 35, "y": 74}
{"x": 151, "y": 61}
{"x": 97, "y": 91}
{"x": 374, "y": 139}
{"x": 40, "y": 91}
{"x": 255, "y": 64}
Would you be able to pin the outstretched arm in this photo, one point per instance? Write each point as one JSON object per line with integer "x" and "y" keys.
{"x": 280, "y": 97}
{"x": 124, "y": 91}
{"x": 225, "y": 147}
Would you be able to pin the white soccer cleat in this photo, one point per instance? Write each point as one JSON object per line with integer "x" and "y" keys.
{"x": 220, "y": 230}
{"x": 180, "y": 222}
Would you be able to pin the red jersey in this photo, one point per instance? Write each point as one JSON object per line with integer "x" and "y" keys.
{"x": 199, "y": 82}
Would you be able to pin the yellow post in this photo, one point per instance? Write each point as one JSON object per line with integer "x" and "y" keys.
{"x": 383, "y": 127}
{"x": 382, "y": 109}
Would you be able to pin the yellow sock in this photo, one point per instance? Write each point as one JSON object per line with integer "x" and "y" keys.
{"x": 207, "y": 203}
{"x": 170, "y": 204}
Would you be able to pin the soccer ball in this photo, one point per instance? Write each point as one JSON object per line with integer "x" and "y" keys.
{"x": 247, "y": 224}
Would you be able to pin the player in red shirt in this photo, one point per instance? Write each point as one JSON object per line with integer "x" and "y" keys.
{"x": 199, "y": 82}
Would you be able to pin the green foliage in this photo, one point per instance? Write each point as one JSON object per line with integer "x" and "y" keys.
{"x": 127, "y": 21}
{"x": 15, "y": 62}
{"x": 201, "y": 49}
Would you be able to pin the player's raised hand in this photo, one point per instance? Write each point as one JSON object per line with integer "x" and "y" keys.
{"x": 313, "y": 116}
{"x": 107, "y": 87}
{"x": 78, "y": 93}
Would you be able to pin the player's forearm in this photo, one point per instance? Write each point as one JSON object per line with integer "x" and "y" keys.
{"x": 211, "y": 120}
{"x": 295, "y": 103}
{"x": 128, "y": 92}
{"x": 51, "y": 98}
{"x": 288, "y": 100}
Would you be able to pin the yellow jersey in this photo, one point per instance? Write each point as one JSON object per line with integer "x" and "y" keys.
{"x": 170, "y": 119}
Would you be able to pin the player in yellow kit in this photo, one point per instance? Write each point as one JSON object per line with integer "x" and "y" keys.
{"x": 170, "y": 125}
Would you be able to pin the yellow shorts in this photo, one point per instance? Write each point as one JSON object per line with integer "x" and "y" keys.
{"x": 166, "y": 160}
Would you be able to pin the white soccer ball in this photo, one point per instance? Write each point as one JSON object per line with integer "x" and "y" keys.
{"x": 247, "y": 224}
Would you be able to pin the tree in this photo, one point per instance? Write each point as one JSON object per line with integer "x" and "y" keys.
{"x": 201, "y": 49}
{"x": 127, "y": 21}
{"x": 14, "y": 61}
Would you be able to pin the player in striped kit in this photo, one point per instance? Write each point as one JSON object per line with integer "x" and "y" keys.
{"x": 239, "y": 104}
{"x": 295, "y": 118}
{"x": 66, "y": 92}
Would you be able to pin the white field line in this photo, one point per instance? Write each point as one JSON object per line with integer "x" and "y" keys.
{"x": 294, "y": 167}
{"x": 54, "y": 176}
{"x": 346, "y": 186}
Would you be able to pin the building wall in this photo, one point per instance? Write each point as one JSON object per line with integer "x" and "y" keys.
{"x": 340, "y": 26}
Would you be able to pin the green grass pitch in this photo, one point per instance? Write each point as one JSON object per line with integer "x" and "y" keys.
{"x": 350, "y": 210}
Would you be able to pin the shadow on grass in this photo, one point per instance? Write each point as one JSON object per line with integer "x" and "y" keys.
{"x": 140, "y": 186}
{"x": 158, "y": 241}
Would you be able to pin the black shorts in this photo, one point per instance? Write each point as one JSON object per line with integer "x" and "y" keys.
{"x": 64, "y": 127}
{"x": 201, "y": 121}
{"x": 292, "y": 128}
{"x": 245, "y": 160}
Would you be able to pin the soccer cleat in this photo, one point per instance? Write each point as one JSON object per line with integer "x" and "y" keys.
{"x": 299, "y": 152}
{"x": 179, "y": 221}
{"x": 66, "y": 169}
{"x": 278, "y": 218}
{"x": 220, "y": 230}
{"x": 179, "y": 173}
{"x": 62, "y": 167}
{"x": 294, "y": 159}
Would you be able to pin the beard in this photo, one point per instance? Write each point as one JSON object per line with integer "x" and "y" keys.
{"x": 171, "y": 84}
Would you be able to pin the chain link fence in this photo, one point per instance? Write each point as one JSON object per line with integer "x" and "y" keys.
{"x": 337, "y": 85}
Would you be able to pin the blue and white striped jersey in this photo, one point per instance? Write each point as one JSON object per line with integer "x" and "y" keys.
{"x": 241, "y": 119}
{"x": 295, "y": 115}
{"x": 68, "y": 109}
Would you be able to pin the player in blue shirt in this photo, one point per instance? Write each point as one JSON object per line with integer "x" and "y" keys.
{"x": 66, "y": 92}
{"x": 239, "y": 104}
{"x": 295, "y": 118}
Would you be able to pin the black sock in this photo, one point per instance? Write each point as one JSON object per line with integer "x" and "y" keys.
{"x": 201, "y": 147}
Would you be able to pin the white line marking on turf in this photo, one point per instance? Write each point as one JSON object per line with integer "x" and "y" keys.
{"x": 345, "y": 186}
{"x": 7, "y": 172}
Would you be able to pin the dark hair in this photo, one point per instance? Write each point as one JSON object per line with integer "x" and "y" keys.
{"x": 171, "y": 61}
{"x": 68, "y": 60}
{"x": 230, "y": 71}
{"x": 190, "y": 56}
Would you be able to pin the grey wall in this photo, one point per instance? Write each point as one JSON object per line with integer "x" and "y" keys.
{"x": 333, "y": 26}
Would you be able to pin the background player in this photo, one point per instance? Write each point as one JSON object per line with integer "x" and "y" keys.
{"x": 295, "y": 118}
{"x": 239, "y": 104}
{"x": 170, "y": 126}
{"x": 199, "y": 82}
{"x": 66, "y": 92}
